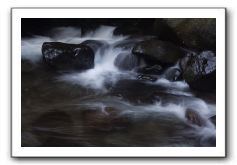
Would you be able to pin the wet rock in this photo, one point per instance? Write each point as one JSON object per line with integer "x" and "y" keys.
{"x": 162, "y": 52}
{"x": 153, "y": 70}
{"x": 144, "y": 77}
{"x": 172, "y": 74}
{"x": 193, "y": 117}
{"x": 200, "y": 72}
{"x": 95, "y": 44}
{"x": 126, "y": 61}
{"x": 184, "y": 61}
{"x": 67, "y": 56}
{"x": 196, "y": 33}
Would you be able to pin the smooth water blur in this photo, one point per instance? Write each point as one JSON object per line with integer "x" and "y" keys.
{"x": 106, "y": 106}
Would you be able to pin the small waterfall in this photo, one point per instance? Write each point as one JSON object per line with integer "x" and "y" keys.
{"x": 107, "y": 72}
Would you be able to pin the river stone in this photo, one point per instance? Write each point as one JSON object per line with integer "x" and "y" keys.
{"x": 196, "y": 33}
{"x": 126, "y": 61}
{"x": 172, "y": 74}
{"x": 193, "y": 117}
{"x": 152, "y": 70}
{"x": 67, "y": 56}
{"x": 200, "y": 72}
{"x": 162, "y": 52}
{"x": 95, "y": 45}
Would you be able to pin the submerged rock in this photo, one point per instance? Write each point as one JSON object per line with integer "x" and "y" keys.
{"x": 172, "y": 74}
{"x": 162, "y": 52}
{"x": 106, "y": 119}
{"x": 67, "y": 56}
{"x": 193, "y": 117}
{"x": 126, "y": 61}
{"x": 144, "y": 77}
{"x": 200, "y": 72}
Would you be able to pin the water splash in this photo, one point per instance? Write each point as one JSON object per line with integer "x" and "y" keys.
{"x": 106, "y": 73}
{"x": 31, "y": 47}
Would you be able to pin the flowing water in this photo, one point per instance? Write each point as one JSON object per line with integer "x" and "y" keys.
{"x": 107, "y": 106}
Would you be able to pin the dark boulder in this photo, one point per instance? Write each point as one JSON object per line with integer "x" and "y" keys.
{"x": 162, "y": 52}
{"x": 67, "y": 56}
{"x": 172, "y": 74}
{"x": 152, "y": 70}
{"x": 126, "y": 61}
{"x": 200, "y": 72}
{"x": 164, "y": 32}
{"x": 196, "y": 33}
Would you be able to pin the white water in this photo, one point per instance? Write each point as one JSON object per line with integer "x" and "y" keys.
{"x": 138, "y": 112}
{"x": 31, "y": 47}
{"x": 105, "y": 72}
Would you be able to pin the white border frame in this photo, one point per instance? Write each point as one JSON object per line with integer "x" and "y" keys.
{"x": 218, "y": 151}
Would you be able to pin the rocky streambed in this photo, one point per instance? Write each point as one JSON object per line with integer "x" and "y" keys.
{"x": 120, "y": 85}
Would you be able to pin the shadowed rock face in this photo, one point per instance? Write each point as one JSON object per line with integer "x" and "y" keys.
{"x": 160, "y": 51}
{"x": 198, "y": 33}
{"x": 200, "y": 72}
{"x": 67, "y": 56}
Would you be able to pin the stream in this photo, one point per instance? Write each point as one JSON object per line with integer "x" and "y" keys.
{"x": 107, "y": 105}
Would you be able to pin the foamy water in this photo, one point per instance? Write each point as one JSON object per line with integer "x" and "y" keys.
{"x": 105, "y": 72}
